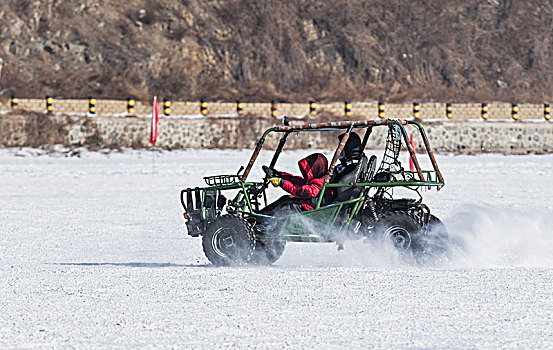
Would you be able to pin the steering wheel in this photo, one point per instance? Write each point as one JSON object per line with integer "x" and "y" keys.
{"x": 265, "y": 184}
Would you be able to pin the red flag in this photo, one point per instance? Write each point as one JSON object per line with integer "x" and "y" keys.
{"x": 411, "y": 164}
{"x": 155, "y": 119}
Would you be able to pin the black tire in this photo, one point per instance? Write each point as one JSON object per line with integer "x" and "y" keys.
{"x": 400, "y": 229}
{"x": 228, "y": 241}
{"x": 267, "y": 253}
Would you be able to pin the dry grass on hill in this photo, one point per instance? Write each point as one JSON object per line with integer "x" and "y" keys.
{"x": 460, "y": 50}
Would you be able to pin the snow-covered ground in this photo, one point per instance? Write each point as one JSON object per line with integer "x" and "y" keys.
{"x": 93, "y": 254}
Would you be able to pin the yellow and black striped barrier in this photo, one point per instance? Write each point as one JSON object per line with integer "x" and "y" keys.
{"x": 484, "y": 111}
{"x": 14, "y": 102}
{"x": 514, "y": 111}
{"x": 347, "y": 108}
{"x": 49, "y": 104}
{"x": 274, "y": 108}
{"x": 91, "y": 106}
{"x": 114, "y": 108}
{"x": 381, "y": 110}
{"x": 312, "y": 108}
{"x": 416, "y": 110}
{"x": 239, "y": 107}
{"x": 130, "y": 105}
{"x": 166, "y": 106}
{"x": 203, "y": 107}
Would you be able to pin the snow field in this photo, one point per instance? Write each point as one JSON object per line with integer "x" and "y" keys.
{"x": 94, "y": 254}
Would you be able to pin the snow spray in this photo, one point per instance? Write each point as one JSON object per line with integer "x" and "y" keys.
{"x": 479, "y": 237}
{"x": 484, "y": 236}
{"x": 357, "y": 253}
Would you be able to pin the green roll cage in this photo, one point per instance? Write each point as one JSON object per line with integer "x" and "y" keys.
{"x": 250, "y": 192}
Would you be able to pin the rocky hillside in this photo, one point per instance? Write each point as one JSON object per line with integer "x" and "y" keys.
{"x": 292, "y": 50}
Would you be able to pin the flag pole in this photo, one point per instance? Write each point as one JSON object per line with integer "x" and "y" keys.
{"x": 153, "y": 132}
{"x": 153, "y": 161}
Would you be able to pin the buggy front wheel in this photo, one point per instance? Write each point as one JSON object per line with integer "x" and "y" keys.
{"x": 266, "y": 253}
{"x": 228, "y": 241}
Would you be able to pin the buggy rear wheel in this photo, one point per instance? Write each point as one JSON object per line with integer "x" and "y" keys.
{"x": 436, "y": 237}
{"x": 228, "y": 241}
{"x": 401, "y": 230}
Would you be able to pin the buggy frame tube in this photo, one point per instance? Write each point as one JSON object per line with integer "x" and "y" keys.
{"x": 203, "y": 214}
{"x": 386, "y": 184}
{"x": 358, "y": 206}
{"x": 247, "y": 197}
{"x": 349, "y": 125}
{"x": 410, "y": 149}
{"x": 321, "y": 195}
{"x": 339, "y": 150}
{"x": 428, "y": 150}
{"x": 255, "y": 154}
{"x": 279, "y": 149}
{"x": 366, "y": 138}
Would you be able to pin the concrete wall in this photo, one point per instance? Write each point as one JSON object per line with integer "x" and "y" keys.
{"x": 360, "y": 110}
{"x": 36, "y": 129}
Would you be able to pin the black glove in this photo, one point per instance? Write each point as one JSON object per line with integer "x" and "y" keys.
{"x": 271, "y": 172}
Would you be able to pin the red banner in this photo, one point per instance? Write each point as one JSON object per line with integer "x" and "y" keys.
{"x": 155, "y": 119}
{"x": 411, "y": 164}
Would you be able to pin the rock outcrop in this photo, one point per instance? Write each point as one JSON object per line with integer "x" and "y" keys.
{"x": 291, "y": 50}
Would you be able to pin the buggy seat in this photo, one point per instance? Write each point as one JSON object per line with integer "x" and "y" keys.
{"x": 356, "y": 174}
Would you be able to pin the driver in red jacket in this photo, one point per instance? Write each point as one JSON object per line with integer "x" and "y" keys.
{"x": 304, "y": 189}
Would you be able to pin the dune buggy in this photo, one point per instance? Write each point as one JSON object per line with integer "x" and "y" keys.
{"x": 234, "y": 231}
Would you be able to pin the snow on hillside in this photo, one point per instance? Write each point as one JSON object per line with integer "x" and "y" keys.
{"x": 94, "y": 254}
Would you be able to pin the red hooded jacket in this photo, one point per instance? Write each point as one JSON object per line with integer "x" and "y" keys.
{"x": 314, "y": 169}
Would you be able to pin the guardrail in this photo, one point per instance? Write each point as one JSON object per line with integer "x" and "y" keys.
{"x": 351, "y": 110}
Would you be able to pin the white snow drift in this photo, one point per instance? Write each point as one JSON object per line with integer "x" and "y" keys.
{"x": 94, "y": 254}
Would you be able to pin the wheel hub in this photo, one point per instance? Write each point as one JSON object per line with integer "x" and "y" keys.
{"x": 227, "y": 242}
{"x": 400, "y": 237}
{"x": 223, "y": 242}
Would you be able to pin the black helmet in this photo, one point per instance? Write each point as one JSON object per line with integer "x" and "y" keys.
{"x": 352, "y": 149}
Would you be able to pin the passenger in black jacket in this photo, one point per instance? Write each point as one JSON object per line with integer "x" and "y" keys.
{"x": 349, "y": 158}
